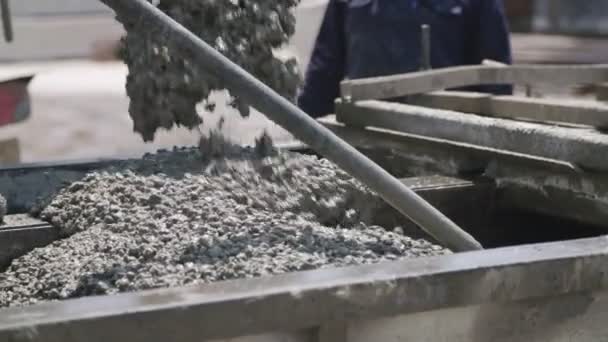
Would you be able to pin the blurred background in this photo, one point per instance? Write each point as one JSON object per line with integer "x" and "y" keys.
{"x": 77, "y": 102}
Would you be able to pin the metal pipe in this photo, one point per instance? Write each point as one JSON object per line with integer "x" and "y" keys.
{"x": 425, "y": 47}
{"x": 301, "y": 125}
{"x": 7, "y": 20}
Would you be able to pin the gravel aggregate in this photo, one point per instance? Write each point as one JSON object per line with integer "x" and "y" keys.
{"x": 179, "y": 218}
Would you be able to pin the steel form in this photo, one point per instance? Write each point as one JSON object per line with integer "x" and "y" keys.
{"x": 308, "y": 300}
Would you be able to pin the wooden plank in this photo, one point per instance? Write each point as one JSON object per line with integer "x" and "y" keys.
{"x": 571, "y": 111}
{"x": 585, "y": 148}
{"x": 395, "y": 86}
{"x": 540, "y": 319}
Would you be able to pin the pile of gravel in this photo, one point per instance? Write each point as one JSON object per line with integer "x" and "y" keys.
{"x": 238, "y": 217}
{"x": 165, "y": 86}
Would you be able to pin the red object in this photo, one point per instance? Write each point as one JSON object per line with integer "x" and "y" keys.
{"x": 14, "y": 101}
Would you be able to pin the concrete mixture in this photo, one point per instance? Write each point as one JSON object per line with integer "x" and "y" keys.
{"x": 165, "y": 86}
{"x": 176, "y": 218}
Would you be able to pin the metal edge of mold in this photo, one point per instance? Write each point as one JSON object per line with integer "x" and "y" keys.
{"x": 538, "y": 110}
{"x": 309, "y": 299}
{"x": 516, "y": 175}
{"x": 17, "y": 182}
{"x": 372, "y": 137}
{"x": 75, "y": 164}
{"x": 15, "y": 242}
{"x": 91, "y": 163}
{"x": 579, "y": 147}
{"x": 394, "y": 86}
{"x": 19, "y": 221}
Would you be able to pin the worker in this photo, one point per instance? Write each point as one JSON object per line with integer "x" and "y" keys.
{"x": 369, "y": 38}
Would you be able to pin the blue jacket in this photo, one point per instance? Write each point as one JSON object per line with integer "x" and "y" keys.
{"x": 367, "y": 38}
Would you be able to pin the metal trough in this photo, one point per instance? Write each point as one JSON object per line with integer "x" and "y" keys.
{"x": 538, "y": 291}
{"x": 550, "y": 292}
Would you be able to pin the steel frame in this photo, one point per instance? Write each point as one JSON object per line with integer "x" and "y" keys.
{"x": 394, "y": 86}
{"x": 581, "y": 147}
{"x": 309, "y": 300}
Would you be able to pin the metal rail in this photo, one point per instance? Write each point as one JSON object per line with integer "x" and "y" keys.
{"x": 394, "y": 86}
{"x": 516, "y": 107}
{"x": 301, "y": 125}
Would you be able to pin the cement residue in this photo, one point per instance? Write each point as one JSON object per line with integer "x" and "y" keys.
{"x": 165, "y": 85}
{"x": 218, "y": 219}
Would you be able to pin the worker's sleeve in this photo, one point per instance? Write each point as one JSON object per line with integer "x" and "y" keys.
{"x": 327, "y": 64}
{"x": 492, "y": 40}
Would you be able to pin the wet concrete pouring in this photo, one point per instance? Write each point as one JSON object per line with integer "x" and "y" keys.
{"x": 165, "y": 85}
{"x": 178, "y": 218}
